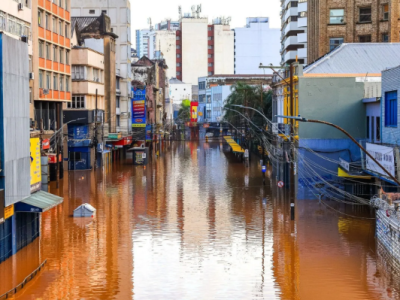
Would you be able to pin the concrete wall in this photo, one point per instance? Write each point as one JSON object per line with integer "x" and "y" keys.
{"x": 223, "y": 50}
{"x": 335, "y": 100}
{"x": 390, "y": 82}
{"x": 88, "y": 57}
{"x": 254, "y": 45}
{"x": 179, "y": 92}
{"x": 194, "y": 49}
{"x": 165, "y": 41}
{"x": 14, "y": 119}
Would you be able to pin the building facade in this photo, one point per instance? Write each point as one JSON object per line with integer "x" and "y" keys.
{"x": 294, "y": 31}
{"x": 51, "y": 65}
{"x": 254, "y": 44}
{"x": 119, "y": 12}
{"x": 333, "y": 22}
{"x": 142, "y": 42}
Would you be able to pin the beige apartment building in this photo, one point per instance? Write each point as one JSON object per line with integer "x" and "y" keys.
{"x": 333, "y": 22}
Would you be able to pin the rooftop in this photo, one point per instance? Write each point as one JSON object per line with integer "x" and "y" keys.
{"x": 175, "y": 81}
{"x": 357, "y": 58}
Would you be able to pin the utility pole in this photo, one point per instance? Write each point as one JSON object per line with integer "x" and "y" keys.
{"x": 291, "y": 177}
{"x": 95, "y": 136}
{"x": 57, "y": 163}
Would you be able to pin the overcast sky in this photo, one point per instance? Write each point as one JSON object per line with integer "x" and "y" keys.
{"x": 159, "y": 10}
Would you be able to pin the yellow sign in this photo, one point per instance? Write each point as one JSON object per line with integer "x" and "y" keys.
{"x": 36, "y": 172}
{"x": 8, "y": 211}
{"x": 138, "y": 125}
{"x": 194, "y": 112}
{"x": 200, "y": 113}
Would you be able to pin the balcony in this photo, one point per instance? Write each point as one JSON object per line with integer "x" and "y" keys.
{"x": 292, "y": 26}
{"x": 302, "y": 38}
{"x": 302, "y": 7}
{"x": 302, "y": 22}
{"x": 291, "y": 12}
{"x": 290, "y": 55}
{"x": 302, "y": 53}
{"x": 291, "y": 40}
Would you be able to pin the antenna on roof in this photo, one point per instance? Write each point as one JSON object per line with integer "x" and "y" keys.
{"x": 149, "y": 22}
{"x": 180, "y": 12}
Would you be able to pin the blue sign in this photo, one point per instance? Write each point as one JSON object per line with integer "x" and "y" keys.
{"x": 139, "y": 107}
{"x": 264, "y": 169}
{"x": 148, "y": 133}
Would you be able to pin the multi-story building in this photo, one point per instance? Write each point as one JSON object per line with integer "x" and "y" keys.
{"x": 332, "y": 23}
{"x": 51, "y": 66}
{"x": 179, "y": 91}
{"x": 294, "y": 31}
{"x": 162, "y": 44}
{"x": 119, "y": 12}
{"x": 254, "y": 44}
{"x": 142, "y": 42}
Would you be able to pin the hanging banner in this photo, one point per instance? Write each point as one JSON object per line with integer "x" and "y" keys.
{"x": 36, "y": 175}
{"x": 139, "y": 107}
{"x": 193, "y": 111}
{"x": 384, "y": 155}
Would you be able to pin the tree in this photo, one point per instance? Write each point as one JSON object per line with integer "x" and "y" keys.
{"x": 251, "y": 96}
{"x": 184, "y": 111}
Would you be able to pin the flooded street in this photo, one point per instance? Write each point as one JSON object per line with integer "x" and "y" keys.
{"x": 197, "y": 224}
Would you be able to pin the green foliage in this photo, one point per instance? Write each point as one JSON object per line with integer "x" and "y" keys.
{"x": 185, "y": 103}
{"x": 184, "y": 111}
{"x": 251, "y": 96}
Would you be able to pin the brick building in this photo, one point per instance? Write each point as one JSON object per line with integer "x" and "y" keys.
{"x": 333, "y": 22}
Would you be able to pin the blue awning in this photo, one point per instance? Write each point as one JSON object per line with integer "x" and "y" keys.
{"x": 38, "y": 202}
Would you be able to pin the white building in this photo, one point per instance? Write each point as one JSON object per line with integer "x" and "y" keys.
{"x": 119, "y": 12}
{"x": 142, "y": 42}
{"x": 179, "y": 91}
{"x": 254, "y": 44}
{"x": 163, "y": 45}
{"x": 294, "y": 31}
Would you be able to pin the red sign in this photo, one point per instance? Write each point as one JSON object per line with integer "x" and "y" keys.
{"x": 281, "y": 184}
{"x": 53, "y": 158}
{"x": 206, "y": 126}
{"x": 193, "y": 111}
{"x": 46, "y": 144}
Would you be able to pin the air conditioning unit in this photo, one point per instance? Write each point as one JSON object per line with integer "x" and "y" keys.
{"x": 45, "y": 91}
{"x": 20, "y": 6}
{"x": 31, "y": 76}
{"x": 24, "y": 39}
{"x": 130, "y": 95}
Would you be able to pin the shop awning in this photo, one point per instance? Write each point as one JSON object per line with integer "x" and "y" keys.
{"x": 38, "y": 202}
{"x": 343, "y": 173}
{"x": 235, "y": 147}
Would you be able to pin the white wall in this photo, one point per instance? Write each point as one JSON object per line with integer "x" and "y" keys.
{"x": 194, "y": 49}
{"x": 179, "y": 92}
{"x": 224, "y": 42}
{"x": 254, "y": 45}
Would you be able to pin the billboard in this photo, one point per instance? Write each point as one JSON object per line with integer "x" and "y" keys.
{"x": 36, "y": 174}
{"x": 193, "y": 111}
{"x": 384, "y": 155}
{"x": 139, "y": 107}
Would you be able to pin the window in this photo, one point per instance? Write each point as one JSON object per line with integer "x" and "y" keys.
{"x": 54, "y": 25}
{"x": 210, "y": 55}
{"x": 67, "y": 57}
{"x": 55, "y": 82}
{"x": 210, "y": 38}
{"x": 118, "y": 120}
{"x": 365, "y": 14}
{"x": 77, "y": 102}
{"x": 40, "y": 79}
{"x": 78, "y": 72}
{"x": 209, "y": 28}
{"x": 210, "y": 73}
{"x": 104, "y": 12}
{"x": 335, "y": 42}
{"x": 118, "y": 102}
{"x": 48, "y": 80}
{"x": 67, "y": 81}
{"x": 91, "y": 11}
{"x": 178, "y": 73}
{"x": 60, "y": 3}
{"x": 61, "y": 86}
{"x": 40, "y": 20}
{"x": 60, "y": 28}
{"x": 210, "y": 47}
{"x": 66, "y": 6}
{"x": 391, "y": 109}
{"x": 48, "y": 55}
{"x": 385, "y": 38}
{"x": 372, "y": 128}
{"x": 61, "y": 56}
{"x": 336, "y": 16}
{"x": 96, "y": 75}
{"x": 178, "y": 64}
{"x": 66, "y": 30}
{"x": 385, "y": 9}
{"x": 364, "y": 39}
{"x": 178, "y": 47}
{"x": 41, "y": 52}
{"x": 47, "y": 22}
{"x": 178, "y": 37}
{"x": 210, "y": 64}
{"x": 378, "y": 129}
{"x": 55, "y": 50}
{"x": 178, "y": 56}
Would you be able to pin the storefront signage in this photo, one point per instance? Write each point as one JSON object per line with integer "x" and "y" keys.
{"x": 139, "y": 107}
{"x": 193, "y": 111}
{"x": 46, "y": 144}
{"x": 8, "y": 212}
{"x": 384, "y": 155}
{"x": 344, "y": 164}
{"x": 206, "y": 126}
{"x": 36, "y": 174}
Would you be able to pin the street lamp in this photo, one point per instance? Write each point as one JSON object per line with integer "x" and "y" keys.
{"x": 300, "y": 119}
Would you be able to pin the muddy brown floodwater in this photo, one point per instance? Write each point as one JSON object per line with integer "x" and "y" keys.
{"x": 197, "y": 224}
